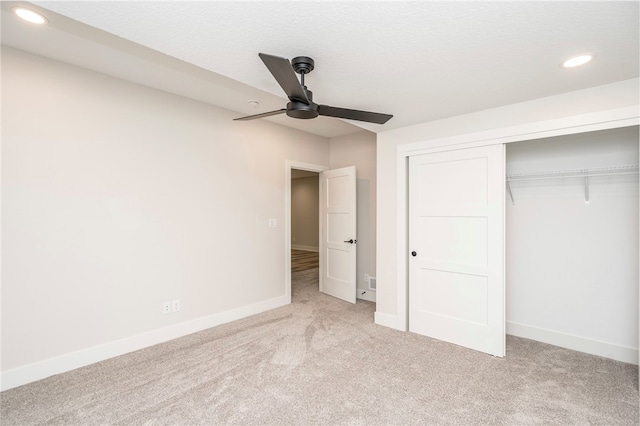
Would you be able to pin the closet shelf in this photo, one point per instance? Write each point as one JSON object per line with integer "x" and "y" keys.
{"x": 575, "y": 173}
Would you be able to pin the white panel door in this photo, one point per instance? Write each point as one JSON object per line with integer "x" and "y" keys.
{"x": 456, "y": 247}
{"x": 338, "y": 245}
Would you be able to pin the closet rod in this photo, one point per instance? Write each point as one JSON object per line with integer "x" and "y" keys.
{"x": 600, "y": 171}
{"x": 568, "y": 174}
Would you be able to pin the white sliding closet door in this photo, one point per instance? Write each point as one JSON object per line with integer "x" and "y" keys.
{"x": 456, "y": 246}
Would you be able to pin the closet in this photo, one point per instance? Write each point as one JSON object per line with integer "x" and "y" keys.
{"x": 570, "y": 232}
{"x": 572, "y": 241}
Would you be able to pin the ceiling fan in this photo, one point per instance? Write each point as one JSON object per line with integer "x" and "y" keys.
{"x": 301, "y": 103}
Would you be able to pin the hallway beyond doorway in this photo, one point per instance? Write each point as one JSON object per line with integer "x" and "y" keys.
{"x": 302, "y": 260}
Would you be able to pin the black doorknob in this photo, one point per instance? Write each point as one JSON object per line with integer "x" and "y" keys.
{"x": 414, "y": 254}
{"x": 350, "y": 241}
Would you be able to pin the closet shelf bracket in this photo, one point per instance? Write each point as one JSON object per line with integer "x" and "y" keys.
{"x": 510, "y": 192}
{"x": 586, "y": 186}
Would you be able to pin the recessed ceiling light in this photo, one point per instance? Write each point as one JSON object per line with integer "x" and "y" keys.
{"x": 576, "y": 61}
{"x": 253, "y": 104}
{"x": 29, "y": 15}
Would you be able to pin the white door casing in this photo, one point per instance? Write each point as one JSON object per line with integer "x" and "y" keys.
{"x": 456, "y": 230}
{"x": 338, "y": 228}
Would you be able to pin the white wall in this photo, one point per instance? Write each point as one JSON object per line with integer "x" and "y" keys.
{"x": 572, "y": 267}
{"x": 566, "y": 113}
{"x": 359, "y": 150}
{"x": 305, "y": 204}
{"x": 118, "y": 197}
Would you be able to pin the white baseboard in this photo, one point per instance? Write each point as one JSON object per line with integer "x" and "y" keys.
{"x": 305, "y": 248}
{"x": 67, "y": 362}
{"x": 576, "y": 343}
{"x": 369, "y": 295}
{"x": 391, "y": 321}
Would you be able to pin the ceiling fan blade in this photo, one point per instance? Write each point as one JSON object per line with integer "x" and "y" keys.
{"x": 354, "y": 114}
{"x": 285, "y": 76}
{"x": 264, "y": 114}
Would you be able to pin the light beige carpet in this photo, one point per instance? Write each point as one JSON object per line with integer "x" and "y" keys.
{"x": 323, "y": 361}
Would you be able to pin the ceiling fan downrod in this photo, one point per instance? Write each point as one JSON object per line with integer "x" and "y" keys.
{"x": 303, "y": 65}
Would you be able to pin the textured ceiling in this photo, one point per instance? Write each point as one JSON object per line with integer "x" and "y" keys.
{"x": 420, "y": 61}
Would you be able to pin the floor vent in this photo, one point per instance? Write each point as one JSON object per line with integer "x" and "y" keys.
{"x": 372, "y": 283}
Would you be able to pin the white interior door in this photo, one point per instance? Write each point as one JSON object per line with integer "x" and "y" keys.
{"x": 338, "y": 233}
{"x": 456, "y": 247}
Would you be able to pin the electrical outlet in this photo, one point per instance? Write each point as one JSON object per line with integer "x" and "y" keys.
{"x": 273, "y": 223}
{"x": 366, "y": 278}
{"x": 175, "y": 305}
{"x": 166, "y": 307}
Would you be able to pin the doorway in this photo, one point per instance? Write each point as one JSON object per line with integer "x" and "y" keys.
{"x": 305, "y": 224}
{"x": 303, "y": 244}
{"x": 337, "y": 227}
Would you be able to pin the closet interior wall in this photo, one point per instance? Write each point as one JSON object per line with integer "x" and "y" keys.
{"x": 572, "y": 265}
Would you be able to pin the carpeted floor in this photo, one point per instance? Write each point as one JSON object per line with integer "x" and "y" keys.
{"x": 323, "y": 361}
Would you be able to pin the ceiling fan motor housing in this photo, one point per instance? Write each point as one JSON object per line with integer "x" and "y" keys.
{"x": 297, "y": 109}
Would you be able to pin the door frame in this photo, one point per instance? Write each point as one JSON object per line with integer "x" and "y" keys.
{"x": 288, "y": 166}
{"x": 621, "y": 117}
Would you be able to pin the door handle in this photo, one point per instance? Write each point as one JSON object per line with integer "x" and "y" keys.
{"x": 414, "y": 254}
{"x": 351, "y": 241}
